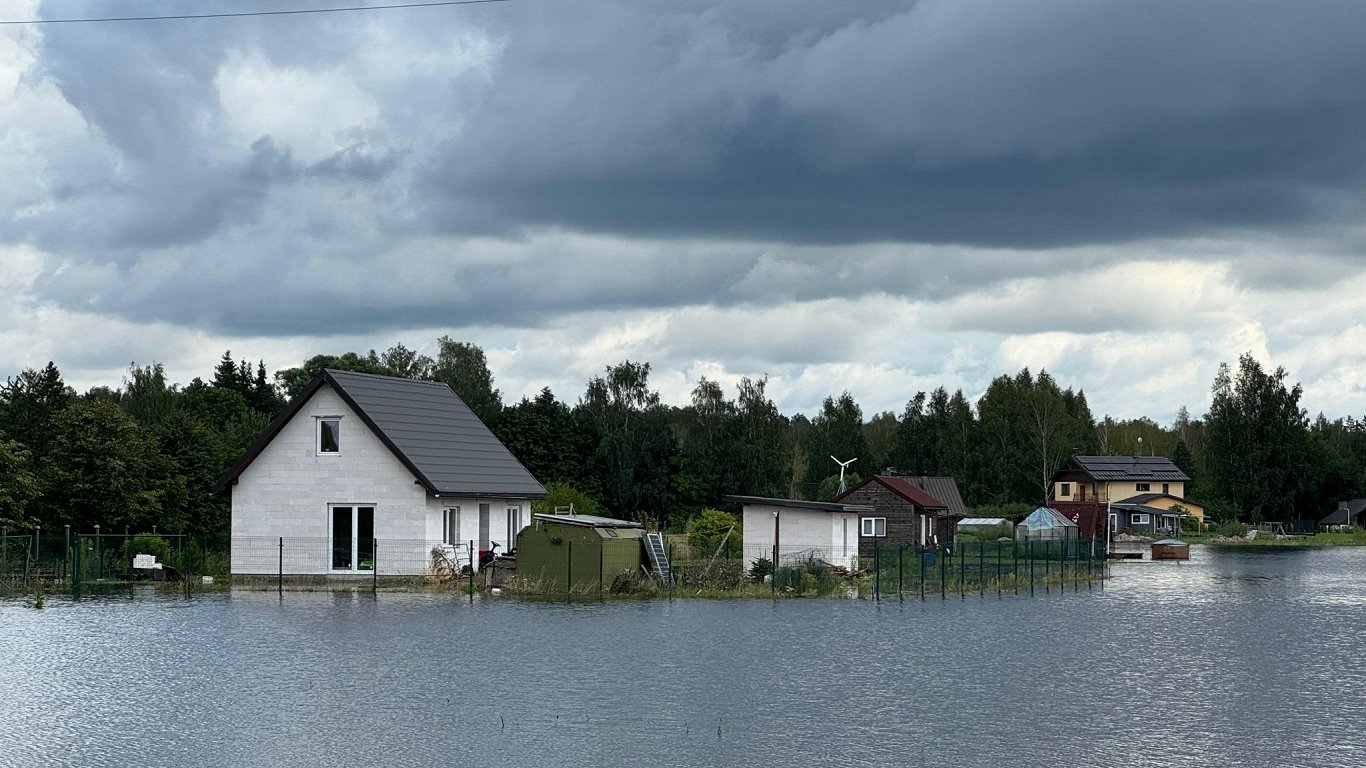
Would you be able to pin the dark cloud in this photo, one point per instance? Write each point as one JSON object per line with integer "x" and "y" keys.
{"x": 524, "y": 160}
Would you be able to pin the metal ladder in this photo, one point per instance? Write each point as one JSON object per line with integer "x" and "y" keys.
{"x": 659, "y": 559}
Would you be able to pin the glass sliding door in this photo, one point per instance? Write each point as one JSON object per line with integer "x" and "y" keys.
{"x": 365, "y": 538}
{"x": 353, "y": 538}
{"x": 343, "y": 543}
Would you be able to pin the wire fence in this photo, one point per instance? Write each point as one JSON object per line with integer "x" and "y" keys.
{"x": 103, "y": 561}
{"x": 99, "y": 561}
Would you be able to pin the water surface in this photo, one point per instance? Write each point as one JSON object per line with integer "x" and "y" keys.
{"x": 1242, "y": 658}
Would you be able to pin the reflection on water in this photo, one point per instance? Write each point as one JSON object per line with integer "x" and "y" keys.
{"x": 1234, "y": 658}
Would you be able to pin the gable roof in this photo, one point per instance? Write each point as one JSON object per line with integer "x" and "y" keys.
{"x": 1045, "y": 518}
{"x": 1346, "y": 514}
{"x": 426, "y": 426}
{"x": 902, "y": 487}
{"x": 942, "y": 488}
{"x": 1126, "y": 468}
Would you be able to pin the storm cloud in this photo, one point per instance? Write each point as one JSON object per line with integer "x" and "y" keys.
{"x": 883, "y": 194}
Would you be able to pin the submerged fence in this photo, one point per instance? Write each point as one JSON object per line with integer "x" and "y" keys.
{"x": 93, "y": 560}
{"x": 875, "y": 570}
{"x": 966, "y": 567}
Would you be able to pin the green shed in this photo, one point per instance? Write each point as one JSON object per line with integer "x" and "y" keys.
{"x": 579, "y": 552}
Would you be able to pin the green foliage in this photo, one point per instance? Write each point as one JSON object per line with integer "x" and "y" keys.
{"x": 105, "y": 468}
{"x": 18, "y": 487}
{"x": 761, "y": 568}
{"x": 707, "y": 531}
{"x": 543, "y": 435}
{"x": 1014, "y": 511}
{"x": 836, "y": 433}
{"x": 808, "y": 578}
{"x": 149, "y": 545}
{"x": 829, "y": 488}
{"x": 464, "y": 368}
{"x": 1258, "y": 441}
{"x": 1231, "y": 529}
{"x": 564, "y": 495}
{"x": 634, "y": 447}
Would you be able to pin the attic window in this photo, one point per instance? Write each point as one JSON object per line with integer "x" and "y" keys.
{"x": 329, "y": 435}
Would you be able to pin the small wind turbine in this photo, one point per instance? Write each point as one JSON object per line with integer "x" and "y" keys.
{"x": 843, "y": 464}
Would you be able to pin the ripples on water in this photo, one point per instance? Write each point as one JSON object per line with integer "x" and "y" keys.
{"x": 1235, "y": 659}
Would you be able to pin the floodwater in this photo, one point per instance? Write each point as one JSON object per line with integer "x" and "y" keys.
{"x": 1244, "y": 658}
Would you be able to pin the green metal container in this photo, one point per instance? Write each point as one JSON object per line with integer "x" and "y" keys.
{"x": 578, "y": 553}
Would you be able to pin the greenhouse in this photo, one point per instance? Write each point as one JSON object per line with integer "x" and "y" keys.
{"x": 1046, "y": 524}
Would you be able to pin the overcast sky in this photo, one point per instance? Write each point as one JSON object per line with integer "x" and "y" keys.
{"x": 878, "y": 196}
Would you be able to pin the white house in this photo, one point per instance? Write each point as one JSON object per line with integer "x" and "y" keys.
{"x": 366, "y": 475}
{"x": 803, "y": 530}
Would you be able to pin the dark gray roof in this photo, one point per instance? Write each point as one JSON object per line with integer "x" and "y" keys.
{"x": 824, "y": 506}
{"x": 1351, "y": 515}
{"x": 1143, "y": 509}
{"x": 1127, "y": 467}
{"x": 942, "y": 488}
{"x": 1144, "y": 498}
{"x": 431, "y": 431}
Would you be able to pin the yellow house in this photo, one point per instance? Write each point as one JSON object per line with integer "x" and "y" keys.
{"x": 1152, "y": 481}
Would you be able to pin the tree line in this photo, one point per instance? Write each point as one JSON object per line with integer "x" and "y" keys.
{"x": 149, "y": 452}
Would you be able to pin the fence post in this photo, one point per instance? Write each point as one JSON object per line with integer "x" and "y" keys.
{"x": 877, "y": 571}
{"x": 943, "y": 575}
{"x": 998, "y": 570}
{"x": 981, "y": 569}
{"x": 66, "y": 551}
{"x": 76, "y": 569}
{"x": 1047, "y": 555}
{"x": 671, "y": 572}
{"x": 900, "y": 573}
{"x": 773, "y": 581}
{"x": 472, "y": 563}
{"x": 920, "y": 566}
{"x": 374, "y": 565}
{"x": 962, "y": 571}
{"x": 569, "y": 569}
{"x": 280, "y": 570}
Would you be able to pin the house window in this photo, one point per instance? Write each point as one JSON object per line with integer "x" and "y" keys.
{"x": 874, "y": 526}
{"x": 514, "y": 525}
{"x": 329, "y": 435}
{"x": 353, "y": 538}
{"x": 1140, "y": 486}
{"x": 450, "y": 525}
{"x": 1138, "y": 518}
{"x": 1065, "y": 489}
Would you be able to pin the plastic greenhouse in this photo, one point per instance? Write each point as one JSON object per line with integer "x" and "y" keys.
{"x": 1046, "y": 524}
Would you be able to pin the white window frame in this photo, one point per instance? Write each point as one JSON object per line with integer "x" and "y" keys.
{"x": 318, "y": 435}
{"x": 514, "y": 524}
{"x": 1139, "y": 518}
{"x": 355, "y": 508}
{"x": 450, "y": 526}
{"x": 869, "y": 527}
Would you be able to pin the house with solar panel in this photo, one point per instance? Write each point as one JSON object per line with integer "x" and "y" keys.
{"x": 367, "y": 475}
{"x": 1136, "y": 494}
